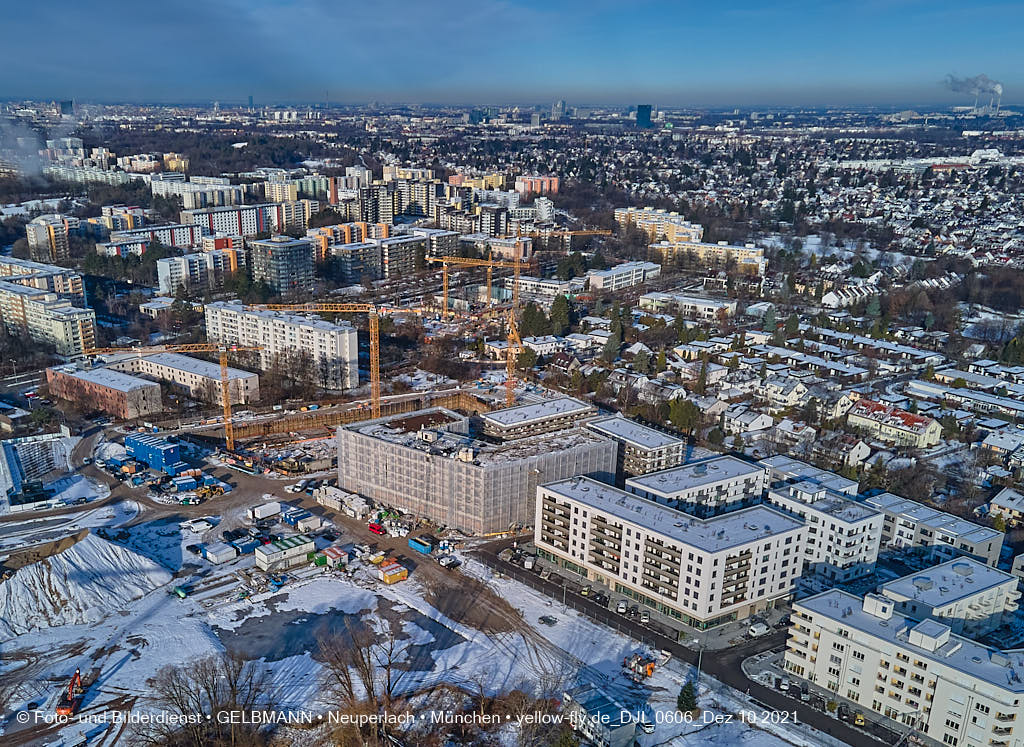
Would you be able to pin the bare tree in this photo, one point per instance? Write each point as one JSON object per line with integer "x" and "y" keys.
{"x": 216, "y": 685}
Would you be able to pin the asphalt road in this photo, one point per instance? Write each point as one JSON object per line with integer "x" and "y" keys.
{"x": 722, "y": 665}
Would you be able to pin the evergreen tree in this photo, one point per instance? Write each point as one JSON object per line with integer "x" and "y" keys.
{"x": 662, "y": 361}
{"x": 792, "y": 325}
{"x": 561, "y": 319}
{"x": 642, "y": 362}
{"x": 769, "y": 319}
{"x": 687, "y": 699}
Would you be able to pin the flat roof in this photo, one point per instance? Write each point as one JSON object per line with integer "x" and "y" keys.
{"x": 195, "y": 365}
{"x": 948, "y": 582}
{"x": 122, "y": 382}
{"x": 694, "y": 475}
{"x": 837, "y": 505}
{"x": 791, "y": 468}
{"x": 710, "y": 535}
{"x": 535, "y": 413}
{"x": 959, "y": 653}
{"x": 932, "y": 517}
{"x": 634, "y": 433}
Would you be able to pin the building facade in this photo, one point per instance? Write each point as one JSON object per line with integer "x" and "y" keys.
{"x": 333, "y": 348}
{"x": 285, "y": 264}
{"x": 703, "y": 572}
{"x": 642, "y": 450}
{"x": 704, "y": 487}
{"x": 115, "y": 393}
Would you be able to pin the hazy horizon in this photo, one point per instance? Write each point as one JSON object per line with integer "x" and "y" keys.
{"x": 493, "y": 52}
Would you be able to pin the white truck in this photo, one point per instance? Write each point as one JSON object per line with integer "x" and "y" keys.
{"x": 264, "y": 511}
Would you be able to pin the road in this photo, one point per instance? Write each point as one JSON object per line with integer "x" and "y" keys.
{"x": 722, "y": 665}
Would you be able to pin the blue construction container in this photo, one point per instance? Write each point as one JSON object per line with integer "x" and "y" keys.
{"x": 294, "y": 517}
{"x": 247, "y": 546}
{"x": 419, "y": 544}
{"x": 181, "y": 484}
{"x": 154, "y": 452}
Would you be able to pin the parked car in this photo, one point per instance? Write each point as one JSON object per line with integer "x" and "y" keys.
{"x": 645, "y": 616}
{"x": 585, "y": 591}
{"x": 784, "y": 684}
{"x": 805, "y": 692}
{"x": 634, "y": 610}
{"x": 621, "y": 607}
{"x": 844, "y": 712}
{"x": 858, "y": 719}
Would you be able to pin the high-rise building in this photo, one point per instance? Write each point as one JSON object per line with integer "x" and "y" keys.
{"x": 333, "y": 348}
{"x": 48, "y": 238}
{"x": 285, "y": 264}
{"x": 558, "y": 110}
{"x": 643, "y": 116}
{"x": 46, "y": 317}
{"x": 199, "y": 270}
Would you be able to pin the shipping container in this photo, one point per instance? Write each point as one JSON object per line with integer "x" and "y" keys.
{"x": 292, "y": 518}
{"x": 308, "y": 524}
{"x": 263, "y": 511}
{"x": 155, "y": 452}
{"x": 392, "y": 573}
{"x": 247, "y": 546}
{"x": 284, "y": 553}
{"x": 419, "y": 544}
{"x": 219, "y": 552}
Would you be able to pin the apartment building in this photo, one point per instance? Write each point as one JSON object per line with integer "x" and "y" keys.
{"x": 425, "y": 463}
{"x": 747, "y": 259}
{"x": 249, "y": 220}
{"x": 704, "y": 487}
{"x": 198, "y": 270}
{"x": 281, "y": 191}
{"x": 438, "y": 243}
{"x": 536, "y": 185}
{"x": 642, "y": 450}
{"x": 972, "y": 598}
{"x": 843, "y": 535}
{"x": 327, "y": 239}
{"x": 212, "y": 192}
{"x": 541, "y": 417}
{"x": 914, "y": 673}
{"x": 121, "y": 217}
{"x": 48, "y": 237}
{"x": 659, "y": 224}
{"x": 621, "y": 276}
{"x": 285, "y": 264}
{"x": 515, "y": 248}
{"x": 943, "y": 536}
{"x": 198, "y": 378}
{"x": 691, "y": 307}
{"x": 894, "y": 425}
{"x": 333, "y": 347}
{"x": 401, "y": 255}
{"x": 704, "y": 572}
{"x": 48, "y": 318}
{"x": 113, "y": 392}
{"x": 181, "y": 235}
{"x": 60, "y": 280}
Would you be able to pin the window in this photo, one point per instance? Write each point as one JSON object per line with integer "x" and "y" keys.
{"x": 949, "y": 739}
{"x": 859, "y": 655}
{"x": 981, "y": 707}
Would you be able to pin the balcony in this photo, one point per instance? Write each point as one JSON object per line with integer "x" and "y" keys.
{"x": 1004, "y": 717}
{"x": 1002, "y": 731}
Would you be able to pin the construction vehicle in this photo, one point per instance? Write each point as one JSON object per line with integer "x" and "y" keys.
{"x": 638, "y": 666}
{"x": 202, "y": 347}
{"x": 207, "y": 491}
{"x": 71, "y": 699}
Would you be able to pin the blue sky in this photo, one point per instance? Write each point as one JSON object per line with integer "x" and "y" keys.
{"x": 496, "y": 51}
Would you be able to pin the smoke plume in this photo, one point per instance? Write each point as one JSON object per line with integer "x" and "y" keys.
{"x": 976, "y": 86}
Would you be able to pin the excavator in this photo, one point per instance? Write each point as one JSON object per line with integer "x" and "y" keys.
{"x": 71, "y": 700}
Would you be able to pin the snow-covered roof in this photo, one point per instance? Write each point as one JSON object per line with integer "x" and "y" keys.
{"x": 633, "y": 433}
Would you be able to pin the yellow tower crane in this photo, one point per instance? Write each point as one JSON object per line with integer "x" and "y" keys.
{"x": 515, "y": 345}
{"x": 490, "y": 264}
{"x": 200, "y": 347}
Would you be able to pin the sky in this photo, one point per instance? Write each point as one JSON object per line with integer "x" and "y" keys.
{"x": 587, "y": 52}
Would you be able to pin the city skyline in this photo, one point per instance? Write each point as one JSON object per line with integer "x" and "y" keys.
{"x": 795, "y": 54}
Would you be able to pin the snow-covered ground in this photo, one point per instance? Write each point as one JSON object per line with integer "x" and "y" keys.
{"x": 37, "y": 530}
{"x": 425, "y": 381}
{"x": 102, "y": 624}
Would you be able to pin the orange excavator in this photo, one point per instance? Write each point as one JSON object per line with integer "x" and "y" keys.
{"x": 71, "y": 700}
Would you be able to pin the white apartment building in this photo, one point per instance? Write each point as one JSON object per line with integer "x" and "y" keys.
{"x": 704, "y": 487}
{"x": 200, "y": 379}
{"x": 843, "y": 535}
{"x": 198, "y": 270}
{"x": 952, "y": 690}
{"x": 183, "y": 236}
{"x": 249, "y": 220}
{"x": 702, "y": 572}
{"x": 60, "y": 280}
{"x": 46, "y": 317}
{"x": 782, "y": 468}
{"x": 333, "y": 347}
{"x": 546, "y": 289}
{"x": 541, "y": 417}
{"x": 622, "y": 276}
{"x": 970, "y": 597}
{"x": 692, "y": 307}
{"x": 943, "y": 536}
{"x": 196, "y": 196}
{"x": 642, "y": 450}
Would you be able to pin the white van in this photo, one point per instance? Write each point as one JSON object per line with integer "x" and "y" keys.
{"x": 759, "y": 629}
